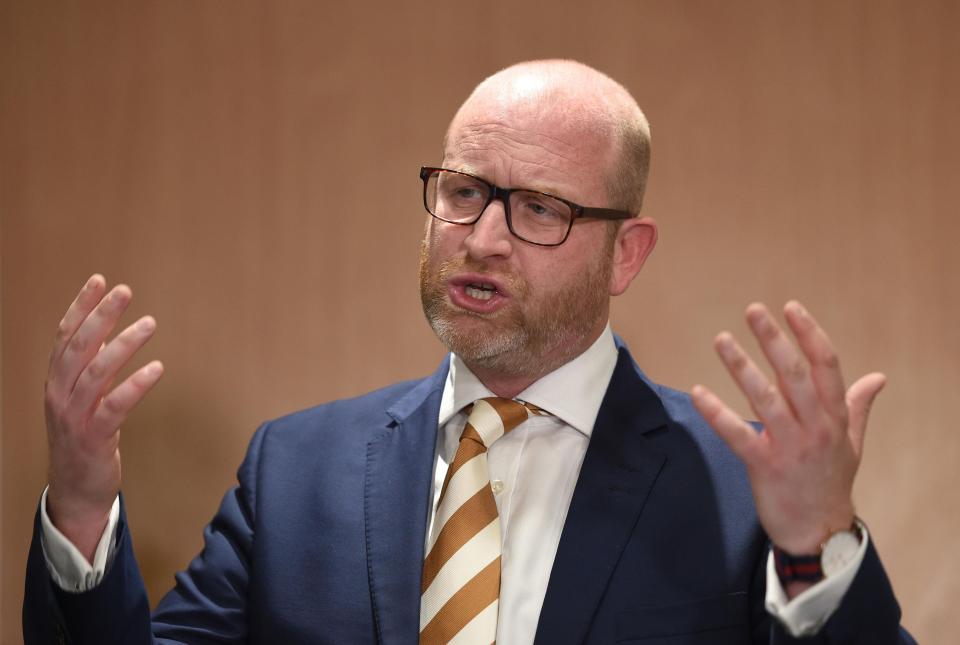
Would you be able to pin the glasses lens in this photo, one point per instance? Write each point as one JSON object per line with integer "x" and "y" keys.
{"x": 539, "y": 218}
{"x": 454, "y": 197}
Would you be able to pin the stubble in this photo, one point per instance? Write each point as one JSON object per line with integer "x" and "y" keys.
{"x": 538, "y": 334}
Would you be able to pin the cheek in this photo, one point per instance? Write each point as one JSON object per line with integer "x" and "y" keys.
{"x": 432, "y": 244}
{"x": 439, "y": 246}
{"x": 442, "y": 236}
{"x": 554, "y": 274}
{"x": 545, "y": 278}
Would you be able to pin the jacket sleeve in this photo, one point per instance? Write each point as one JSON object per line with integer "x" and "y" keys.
{"x": 868, "y": 615}
{"x": 115, "y": 611}
{"x": 208, "y": 603}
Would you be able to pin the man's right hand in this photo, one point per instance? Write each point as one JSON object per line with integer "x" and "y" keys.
{"x": 83, "y": 412}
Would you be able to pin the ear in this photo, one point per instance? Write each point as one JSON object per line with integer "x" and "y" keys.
{"x": 635, "y": 241}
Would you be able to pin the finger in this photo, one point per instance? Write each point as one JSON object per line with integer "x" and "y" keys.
{"x": 97, "y": 376}
{"x": 115, "y": 407}
{"x": 743, "y": 440}
{"x": 764, "y": 397}
{"x": 90, "y": 294}
{"x": 860, "y": 400}
{"x": 84, "y": 344}
{"x": 793, "y": 374}
{"x": 824, "y": 362}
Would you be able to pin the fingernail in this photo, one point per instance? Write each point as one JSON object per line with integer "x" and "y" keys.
{"x": 756, "y": 316}
{"x": 146, "y": 324}
{"x": 725, "y": 344}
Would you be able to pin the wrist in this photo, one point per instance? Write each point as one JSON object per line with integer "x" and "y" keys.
{"x": 799, "y": 571}
{"x": 809, "y": 540}
{"x": 81, "y": 524}
{"x": 794, "y": 589}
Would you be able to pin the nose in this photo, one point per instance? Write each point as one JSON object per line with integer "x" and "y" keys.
{"x": 490, "y": 236}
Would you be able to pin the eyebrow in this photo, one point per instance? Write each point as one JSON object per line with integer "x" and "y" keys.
{"x": 549, "y": 190}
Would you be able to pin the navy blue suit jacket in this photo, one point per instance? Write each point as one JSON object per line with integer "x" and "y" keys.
{"x": 323, "y": 539}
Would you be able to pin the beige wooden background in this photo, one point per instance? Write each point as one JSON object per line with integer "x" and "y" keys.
{"x": 250, "y": 169}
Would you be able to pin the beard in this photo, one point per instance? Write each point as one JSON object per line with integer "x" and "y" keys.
{"x": 534, "y": 334}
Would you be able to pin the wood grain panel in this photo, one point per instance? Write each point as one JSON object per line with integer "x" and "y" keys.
{"x": 250, "y": 169}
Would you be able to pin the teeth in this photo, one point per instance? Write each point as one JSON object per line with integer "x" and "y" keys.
{"x": 480, "y": 293}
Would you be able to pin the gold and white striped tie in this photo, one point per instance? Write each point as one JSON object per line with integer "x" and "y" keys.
{"x": 461, "y": 573}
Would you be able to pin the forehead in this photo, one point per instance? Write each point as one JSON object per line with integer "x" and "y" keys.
{"x": 555, "y": 146}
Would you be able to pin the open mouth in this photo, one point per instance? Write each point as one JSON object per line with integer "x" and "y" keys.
{"x": 478, "y": 293}
{"x": 480, "y": 290}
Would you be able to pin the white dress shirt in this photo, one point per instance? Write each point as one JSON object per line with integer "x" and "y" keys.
{"x": 533, "y": 471}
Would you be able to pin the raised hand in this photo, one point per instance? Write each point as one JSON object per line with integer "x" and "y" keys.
{"x": 803, "y": 463}
{"x": 84, "y": 414}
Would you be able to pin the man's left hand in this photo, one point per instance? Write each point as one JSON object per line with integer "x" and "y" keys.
{"x": 803, "y": 462}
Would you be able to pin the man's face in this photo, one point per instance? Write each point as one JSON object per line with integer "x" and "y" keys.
{"x": 502, "y": 304}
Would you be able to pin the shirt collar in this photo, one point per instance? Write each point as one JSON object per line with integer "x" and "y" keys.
{"x": 573, "y": 392}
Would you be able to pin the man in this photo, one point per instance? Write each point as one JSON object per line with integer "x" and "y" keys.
{"x": 617, "y": 514}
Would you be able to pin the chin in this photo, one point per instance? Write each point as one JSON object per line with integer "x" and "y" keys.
{"x": 478, "y": 340}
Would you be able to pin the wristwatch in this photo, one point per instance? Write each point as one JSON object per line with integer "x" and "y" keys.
{"x": 835, "y": 553}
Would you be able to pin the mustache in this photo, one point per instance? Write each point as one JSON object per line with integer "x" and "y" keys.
{"x": 453, "y": 266}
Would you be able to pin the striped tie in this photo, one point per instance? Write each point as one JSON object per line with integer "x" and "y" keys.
{"x": 461, "y": 574}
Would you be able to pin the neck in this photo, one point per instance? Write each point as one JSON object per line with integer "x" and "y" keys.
{"x": 508, "y": 384}
{"x": 504, "y": 385}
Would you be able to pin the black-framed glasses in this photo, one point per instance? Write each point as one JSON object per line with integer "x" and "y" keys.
{"x": 535, "y": 217}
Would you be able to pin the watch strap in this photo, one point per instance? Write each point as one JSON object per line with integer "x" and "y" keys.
{"x": 809, "y": 567}
{"x": 796, "y": 568}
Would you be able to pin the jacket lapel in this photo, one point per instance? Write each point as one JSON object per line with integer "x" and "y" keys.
{"x": 397, "y": 490}
{"x": 617, "y": 475}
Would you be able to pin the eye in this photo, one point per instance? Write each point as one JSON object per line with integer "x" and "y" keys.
{"x": 537, "y": 209}
{"x": 460, "y": 190}
{"x": 468, "y": 192}
{"x": 542, "y": 209}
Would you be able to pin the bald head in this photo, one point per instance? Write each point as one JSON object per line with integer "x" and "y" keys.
{"x": 582, "y": 100}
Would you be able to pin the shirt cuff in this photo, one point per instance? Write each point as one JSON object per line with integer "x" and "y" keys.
{"x": 810, "y": 610}
{"x": 67, "y": 566}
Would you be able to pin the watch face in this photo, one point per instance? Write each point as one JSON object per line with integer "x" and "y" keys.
{"x": 840, "y": 549}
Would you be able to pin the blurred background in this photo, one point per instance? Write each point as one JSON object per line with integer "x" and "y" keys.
{"x": 250, "y": 169}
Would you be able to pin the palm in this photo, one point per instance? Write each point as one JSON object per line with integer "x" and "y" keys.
{"x": 803, "y": 463}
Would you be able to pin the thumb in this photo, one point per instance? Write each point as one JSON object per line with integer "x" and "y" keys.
{"x": 860, "y": 398}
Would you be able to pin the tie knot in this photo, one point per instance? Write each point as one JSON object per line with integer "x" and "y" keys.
{"x": 492, "y": 417}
